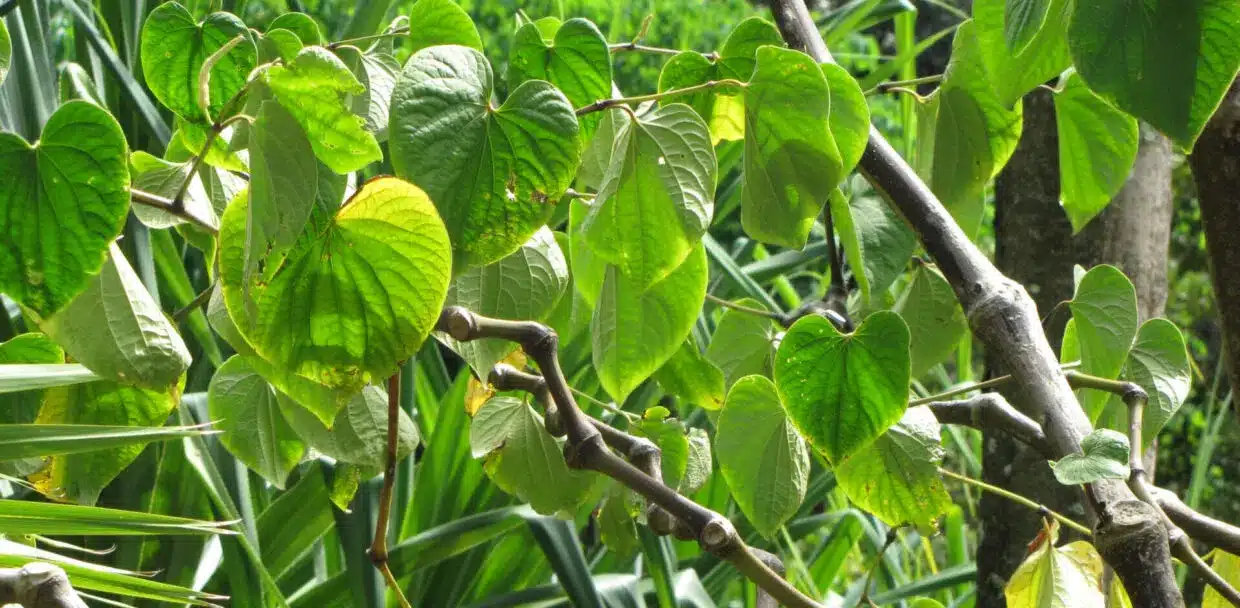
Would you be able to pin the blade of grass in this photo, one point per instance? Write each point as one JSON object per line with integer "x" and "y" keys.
{"x": 34, "y": 440}
{"x": 16, "y": 377}
{"x": 26, "y": 517}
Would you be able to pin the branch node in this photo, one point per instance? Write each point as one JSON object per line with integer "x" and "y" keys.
{"x": 541, "y": 339}
{"x": 718, "y": 536}
{"x": 458, "y": 322}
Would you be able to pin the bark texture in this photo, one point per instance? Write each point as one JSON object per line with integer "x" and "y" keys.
{"x": 1216, "y": 168}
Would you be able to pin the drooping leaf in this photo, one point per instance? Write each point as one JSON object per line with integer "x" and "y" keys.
{"x": 801, "y": 140}
{"x": 934, "y": 317}
{"x": 524, "y": 286}
{"x": 1104, "y": 311}
{"x": 896, "y": 477}
{"x": 843, "y": 390}
{"x": 358, "y": 435}
{"x": 692, "y": 377}
{"x": 577, "y": 61}
{"x": 1014, "y": 72}
{"x": 118, "y": 330}
{"x": 1104, "y": 455}
{"x": 669, "y": 434}
{"x": 495, "y": 174}
{"x": 966, "y": 132}
{"x": 438, "y": 22}
{"x": 724, "y": 112}
{"x": 657, "y": 196}
{"x": 1097, "y": 148}
{"x": 1158, "y": 362}
{"x": 314, "y": 88}
{"x": 278, "y": 45}
{"x": 525, "y": 460}
{"x": 1167, "y": 62}
{"x": 1228, "y": 567}
{"x": 81, "y": 477}
{"x": 174, "y": 48}
{"x": 877, "y": 242}
{"x": 1058, "y": 577}
{"x": 384, "y": 255}
{"x": 303, "y": 25}
{"x": 743, "y": 343}
{"x": 62, "y": 202}
{"x": 244, "y": 407}
{"x": 163, "y": 177}
{"x": 636, "y": 331}
{"x": 377, "y": 72}
{"x": 1022, "y": 20}
{"x": 21, "y": 407}
{"x": 763, "y": 459}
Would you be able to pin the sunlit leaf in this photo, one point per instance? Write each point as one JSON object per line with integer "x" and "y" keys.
{"x": 896, "y": 477}
{"x": 437, "y": 22}
{"x": 174, "y": 48}
{"x": 1014, "y": 72}
{"x": 576, "y": 60}
{"x": 1058, "y": 577}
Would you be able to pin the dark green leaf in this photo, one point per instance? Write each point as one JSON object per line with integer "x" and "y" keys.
{"x": 743, "y": 343}
{"x": 934, "y": 317}
{"x": 72, "y": 189}
{"x": 877, "y": 242}
{"x": 577, "y": 61}
{"x": 294, "y": 522}
{"x": 843, "y": 390}
{"x": 1104, "y": 455}
{"x": 494, "y": 174}
{"x": 174, "y": 48}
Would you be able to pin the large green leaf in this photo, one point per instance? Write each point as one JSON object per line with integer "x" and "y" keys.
{"x": 1104, "y": 313}
{"x": 358, "y": 435}
{"x": 1014, "y": 72}
{"x": 525, "y": 460}
{"x": 174, "y": 48}
{"x": 315, "y": 88}
{"x": 243, "y": 405}
{"x": 657, "y": 196}
{"x": 524, "y": 286}
{"x": 303, "y": 25}
{"x": 877, "y": 242}
{"x": 1104, "y": 455}
{"x": 896, "y": 477}
{"x": 934, "y": 317}
{"x": 1158, "y": 363}
{"x": 635, "y": 331}
{"x": 843, "y": 390}
{"x": 62, "y": 202}
{"x": 6, "y": 51}
{"x": 495, "y": 174}
{"x": 966, "y": 132}
{"x": 385, "y": 258}
{"x": 724, "y": 112}
{"x": 743, "y": 343}
{"x": 577, "y": 61}
{"x": 1168, "y": 62}
{"x": 81, "y": 477}
{"x": 437, "y": 22}
{"x": 806, "y": 126}
{"x": 764, "y": 461}
{"x": 692, "y": 377}
{"x": 1097, "y": 148}
{"x": 1058, "y": 577}
{"x": 1023, "y": 20}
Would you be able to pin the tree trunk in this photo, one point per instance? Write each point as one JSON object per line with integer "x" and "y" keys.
{"x": 1028, "y": 219}
{"x": 1216, "y": 168}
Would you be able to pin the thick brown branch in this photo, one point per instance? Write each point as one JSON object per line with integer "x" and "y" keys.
{"x": 1199, "y": 527}
{"x": 585, "y": 449}
{"x": 38, "y": 585}
{"x": 992, "y": 411}
{"x": 1004, "y": 319}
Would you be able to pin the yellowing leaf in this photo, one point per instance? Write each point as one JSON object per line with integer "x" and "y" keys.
{"x": 1058, "y": 577}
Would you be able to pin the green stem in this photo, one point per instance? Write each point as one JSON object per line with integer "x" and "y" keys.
{"x": 757, "y": 312}
{"x": 392, "y": 34}
{"x": 892, "y": 85}
{"x": 1017, "y": 498}
{"x": 976, "y": 386}
{"x": 633, "y": 47}
{"x": 609, "y": 103}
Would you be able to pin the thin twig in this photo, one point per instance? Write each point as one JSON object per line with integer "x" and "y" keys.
{"x": 400, "y": 31}
{"x": 604, "y": 104}
{"x": 992, "y": 411}
{"x": 893, "y": 85}
{"x": 585, "y": 449}
{"x": 156, "y": 201}
{"x": 1017, "y": 498}
{"x": 976, "y": 386}
{"x": 757, "y": 312}
{"x": 892, "y": 535}
{"x": 199, "y": 301}
{"x": 378, "y": 547}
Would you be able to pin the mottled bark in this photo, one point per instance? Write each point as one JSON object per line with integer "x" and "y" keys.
{"x": 1033, "y": 246}
{"x": 1216, "y": 168}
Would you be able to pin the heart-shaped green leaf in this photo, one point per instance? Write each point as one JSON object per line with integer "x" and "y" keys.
{"x": 174, "y": 48}
{"x": 1022, "y": 20}
{"x": 303, "y": 25}
{"x": 897, "y": 476}
{"x": 495, "y": 174}
{"x": 524, "y": 286}
{"x": 62, "y": 201}
{"x": 763, "y": 459}
{"x": 439, "y": 22}
{"x": 806, "y": 126}
{"x": 1158, "y": 363}
{"x": 1104, "y": 455}
{"x": 635, "y": 331}
{"x": 244, "y": 407}
{"x": 1067, "y": 576}
{"x": 843, "y": 390}
{"x": 525, "y": 460}
{"x": 877, "y": 241}
{"x": 315, "y": 88}
{"x": 657, "y": 196}
{"x": 577, "y": 61}
{"x": 1014, "y": 72}
{"x": 115, "y": 328}
{"x": 384, "y": 256}
{"x": 1097, "y": 148}
{"x": 1104, "y": 313}
{"x": 1167, "y": 62}
{"x": 722, "y": 111}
